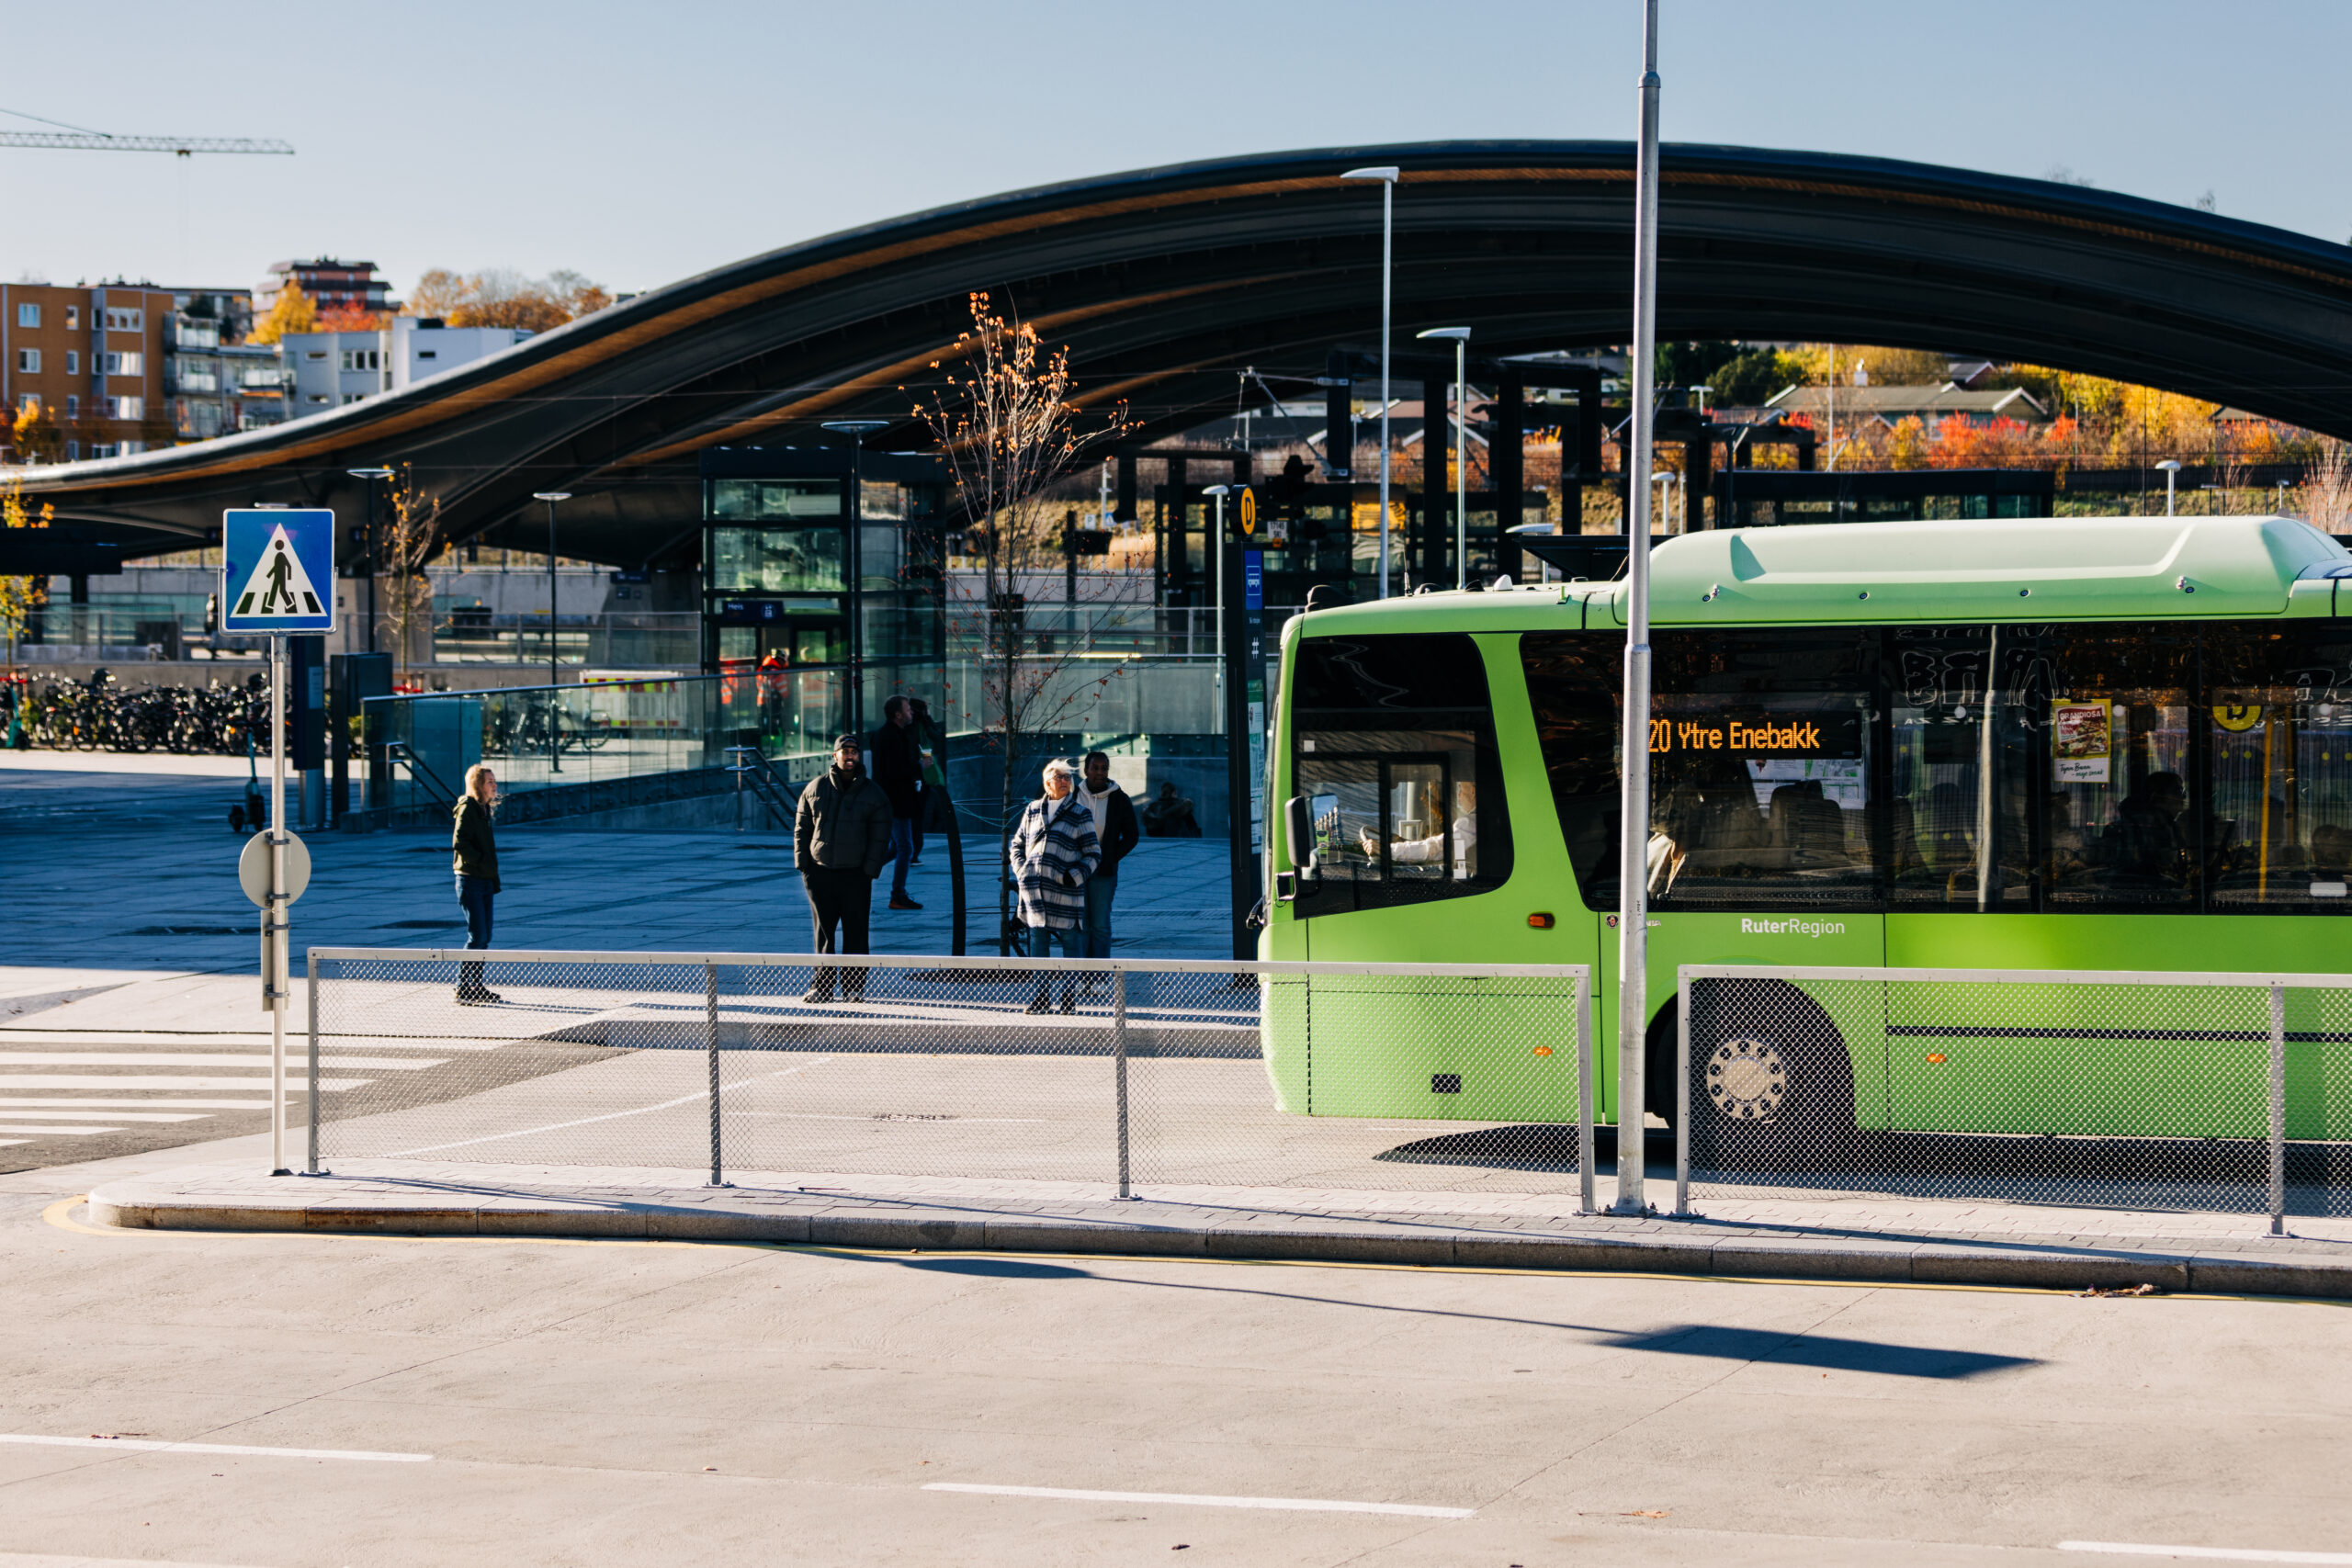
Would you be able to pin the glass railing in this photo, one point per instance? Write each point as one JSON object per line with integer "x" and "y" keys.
{"x": 419, "y": 748}
{"x": 624, "y": 641}
{"x": 1147, "y": 630}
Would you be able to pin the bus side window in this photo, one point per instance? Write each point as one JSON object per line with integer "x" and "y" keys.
{"x": 1395, "y": 753}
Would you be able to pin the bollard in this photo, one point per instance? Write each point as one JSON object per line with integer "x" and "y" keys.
{"x": 1119, "y": 1069}
{"x": 710, "y": 1038}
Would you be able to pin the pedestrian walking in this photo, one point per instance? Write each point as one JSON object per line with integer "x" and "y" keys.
{"x": 473, "y": 854}
{"x": 1114, "y": 825}
{"x": 1054, "y": 851}
{"x": 898, "y": 770}
{"x": 932, "y": 740}
{"x": 841, "y": 840}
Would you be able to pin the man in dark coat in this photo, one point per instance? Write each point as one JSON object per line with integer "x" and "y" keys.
{"x": 840, "y": 839}
{"x": 1115, "y": 824}
{"x": 898, "y": 769}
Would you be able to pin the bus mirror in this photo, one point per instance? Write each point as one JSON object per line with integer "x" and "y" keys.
{"x": 1298, "y": 833}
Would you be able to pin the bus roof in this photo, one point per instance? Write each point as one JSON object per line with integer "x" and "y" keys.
{"x": 2014, "y": 570}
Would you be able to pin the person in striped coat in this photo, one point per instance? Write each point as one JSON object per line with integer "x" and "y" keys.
{"x": 1054, "y": 850}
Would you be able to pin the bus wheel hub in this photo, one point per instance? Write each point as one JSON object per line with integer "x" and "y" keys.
{"x": 1747, "y": 1080}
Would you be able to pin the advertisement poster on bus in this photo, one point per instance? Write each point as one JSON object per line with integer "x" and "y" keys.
{"x": 2082, "y": 742}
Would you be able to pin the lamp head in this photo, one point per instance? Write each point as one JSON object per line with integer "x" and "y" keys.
{"x": 855, "y": 426}
{"x": 369, "y": 473}
{"x": 2169, "y": 465}
{"x": 1388, "y": 172}
{"x": 1459, "y": 334}
{"x": 1220, "y": 492}
{"x": 550, "y": 495}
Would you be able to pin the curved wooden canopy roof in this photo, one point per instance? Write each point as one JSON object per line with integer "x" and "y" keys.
{"x": 1165, "y": 281}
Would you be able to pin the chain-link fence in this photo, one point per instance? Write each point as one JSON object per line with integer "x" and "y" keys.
{"x": 2148, "y": 1091}
{"x": 1107, "y": 1075}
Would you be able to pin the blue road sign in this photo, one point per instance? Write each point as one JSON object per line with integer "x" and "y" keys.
{"x": 1254, "y": 580}
{"x": 277, "y": 571}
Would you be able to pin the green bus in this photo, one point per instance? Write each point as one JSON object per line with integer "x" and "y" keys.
{"x": 2099, "y": 743}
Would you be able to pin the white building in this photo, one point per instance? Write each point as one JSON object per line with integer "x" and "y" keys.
{"x": 326, "y": 370}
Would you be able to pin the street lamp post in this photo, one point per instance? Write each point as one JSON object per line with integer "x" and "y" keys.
{"x": 555, "y": 760}
{"x": 367, "y": 553}
{"x": 2171, "y": 466}
{"x": 857, "y": 429}
{"x": 1461, "y": 336}
{"x": 1386, "y": 174}
{"x": 1633, "y": 809}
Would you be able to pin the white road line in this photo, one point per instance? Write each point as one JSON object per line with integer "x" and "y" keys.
{"x": 61, "y": 1132}
{"x": 148, "y": 1446}
{"x": 609, "y": 1115}
{"x": 2225, "y": 1553}
{"x": 257, "y": 1060}
{"x": 159, "y": 1081}
{"x": 111, "y": 1115}
{"x": 12, "y": 1142}
{"x": 1300, "y": 1505}
{"x": 25, "y": 1102}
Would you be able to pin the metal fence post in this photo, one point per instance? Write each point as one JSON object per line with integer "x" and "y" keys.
{"x": 1119, "y": 1071}
{"x": 311, "y": 1165}
{"x": 1682, "y": 1092}
{"x": 710, "y": 1038}
{"x": 1584, "y": 1094}
{"x": 2278, "y": 1111}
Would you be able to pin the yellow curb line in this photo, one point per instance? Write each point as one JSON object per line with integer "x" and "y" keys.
{"x": 57, "y": 1214}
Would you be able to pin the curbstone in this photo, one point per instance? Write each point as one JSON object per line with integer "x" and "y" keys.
{"x": 1191, "y": 1230}
{"x": 2054, "y": 1270}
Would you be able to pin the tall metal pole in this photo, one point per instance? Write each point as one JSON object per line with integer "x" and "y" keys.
{"x": 1386, "y": 174}
{"x": 1461, "y": 463}
{"x": 1388, "y": 276}
{"x": 554, "y": 678}
{"x": 276, "y": 908}
{"x": 1633, "y": 821}
{"x": 555, "y": 709}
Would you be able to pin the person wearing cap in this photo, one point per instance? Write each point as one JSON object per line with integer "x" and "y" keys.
{"x": 1054, "y": 851}
{"x": 841, "y": 841}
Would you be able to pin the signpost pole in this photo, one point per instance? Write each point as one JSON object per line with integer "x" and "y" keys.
{"x": 275, "y": 912}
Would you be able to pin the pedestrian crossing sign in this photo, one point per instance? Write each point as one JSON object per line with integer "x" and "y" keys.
{"x": 278, "y": 570}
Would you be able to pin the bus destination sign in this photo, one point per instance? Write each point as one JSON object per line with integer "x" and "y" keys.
{"x": 1754, "y": 732}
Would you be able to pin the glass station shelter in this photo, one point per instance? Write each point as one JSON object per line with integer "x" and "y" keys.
{"x": 831, "y": 619}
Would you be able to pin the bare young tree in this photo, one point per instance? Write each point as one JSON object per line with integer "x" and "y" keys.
{"x": 1006, "y": 416}
{"x": 403, "y": 548}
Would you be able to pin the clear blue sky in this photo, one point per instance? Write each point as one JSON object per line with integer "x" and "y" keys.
{"x": 639, "y": 143}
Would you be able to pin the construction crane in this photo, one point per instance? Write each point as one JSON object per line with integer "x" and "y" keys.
{"x": 75, "y": 138}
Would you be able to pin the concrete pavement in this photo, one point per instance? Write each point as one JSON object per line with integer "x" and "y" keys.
{"x": 644, "y": 1402}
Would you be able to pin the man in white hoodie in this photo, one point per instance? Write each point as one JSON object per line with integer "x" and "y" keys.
{"x": 1114, "y": 826}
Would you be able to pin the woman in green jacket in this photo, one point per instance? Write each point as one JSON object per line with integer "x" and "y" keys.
{"x": 473, "y": 850}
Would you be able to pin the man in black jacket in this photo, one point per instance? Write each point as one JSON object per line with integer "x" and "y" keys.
{"x": 840, "y": 839}
{"x": 898, "y": 768}
{"x": 1115, "y": 824}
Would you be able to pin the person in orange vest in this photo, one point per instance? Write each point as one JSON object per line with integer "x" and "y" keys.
{"x": 772, "y": 713}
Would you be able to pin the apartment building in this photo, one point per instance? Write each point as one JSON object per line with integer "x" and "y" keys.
{"x": 326, "y": 370}
{"x": 332, "y": 285}
{"x": 94, "y": 358}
